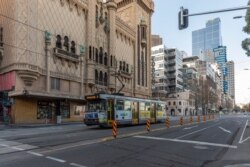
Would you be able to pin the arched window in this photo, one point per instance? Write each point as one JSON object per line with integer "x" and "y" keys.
{"x": 120, "y": 65}
{"x": 59, "y": 41}
{"x": 111, "y": 60}
{"x": 90, "y": 52}
{"x": 101, "y": 78}
{"x": 105, "y": 79}
{"x": 96, "y": 55}
{"x": 124, "y": 66}
{"x": 127, "y": 70}
{"x": 105, "y": 59}
{"x": 93, "y": 53}
{"x": 73, "y": 47}
{"x": 101, "y": 56}
{"x": 96, "y": 77}
{"x": 66, "y": 43}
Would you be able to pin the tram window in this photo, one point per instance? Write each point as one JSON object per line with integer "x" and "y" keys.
{"x": 148, "y": 107}
{"x": 96, "y": 105}
{"x": 142, "y": 106}
{"x": 120, "y": 105}
{"x": 127, "y": 106}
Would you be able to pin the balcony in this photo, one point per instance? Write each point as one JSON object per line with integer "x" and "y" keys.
{"x": 171, "y": 62}
{"x": 171, "y": 76}
{"x": 172, "y": 83}
{"x": 171, "y": 69}
{"x": 63, "y": 54}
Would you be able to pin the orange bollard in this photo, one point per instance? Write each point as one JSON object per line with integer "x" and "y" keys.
{"x": 114, "y": 130}
{"x": 168, "y": 122}
{"x": 148, "y": 125}
{"x": 191, "y": 120}
{"x": 198, "y": 119}
{"x": 181, "y": 121}
{"x": 204, "y": 118}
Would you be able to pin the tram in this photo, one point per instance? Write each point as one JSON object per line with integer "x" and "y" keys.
{"x": 103, "y": 109}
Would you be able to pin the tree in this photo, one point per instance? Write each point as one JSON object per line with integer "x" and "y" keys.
{"x": 246, "y": 42}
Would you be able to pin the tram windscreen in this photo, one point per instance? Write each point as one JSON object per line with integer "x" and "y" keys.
{"x": 96, "y": 105}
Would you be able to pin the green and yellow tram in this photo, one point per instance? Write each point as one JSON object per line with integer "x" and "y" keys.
{"x": 103, "y": 109}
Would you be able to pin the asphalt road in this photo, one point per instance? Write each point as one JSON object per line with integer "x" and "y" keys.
{"x": 224, "y": 141}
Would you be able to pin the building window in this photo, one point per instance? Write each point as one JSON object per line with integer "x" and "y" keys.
{"x": 96, "y": 55}
{"x": 120, "y": 65}
{"x": 101, "y": 56}
{"x": 90, "y": 52}
{"x": 59, "y": 41}
{"x": 169, "y": 103}
{"x": 73, "y": 47}
{"x": 105, "y": 79}
{"x": 124, "y": 66}
{"x": 180, "y": 103}
{"x": 96, "y": 77}
{"x": 55, "y": 83}
{"x": 105, "y": 59}
{"x": 111, "y": 60}
{"x": 101, "y": 78}
{"x": 127, "y": 69}
{"x": 66, "y": 43}
{"x": 174, "y": 103}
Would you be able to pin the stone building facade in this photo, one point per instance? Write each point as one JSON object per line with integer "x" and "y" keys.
{"x": 55, "y": 52}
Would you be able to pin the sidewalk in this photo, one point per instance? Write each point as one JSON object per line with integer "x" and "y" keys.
{"x": 2, "y": 126}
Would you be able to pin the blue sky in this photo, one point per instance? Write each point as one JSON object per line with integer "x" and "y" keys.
{"x": 165, "y": 24}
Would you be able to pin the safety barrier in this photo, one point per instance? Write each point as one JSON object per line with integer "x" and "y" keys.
{"x": 114, "y": 130}
{"x": 198, "y": 119}
{"x": 168, "y": 122}
{"x": 204, "y": 118}
{"x": 181, "y": 120}
{"x": 148, "y": 125}
{"x": 191, "y": 120}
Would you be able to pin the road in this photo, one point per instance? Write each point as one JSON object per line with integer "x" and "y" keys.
{"x": 224, "y": 141}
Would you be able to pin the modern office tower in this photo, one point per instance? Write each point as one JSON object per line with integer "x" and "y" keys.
{"x": 231, "y": 79}
{"x": 220, "y": 55}
{"x": 206, "y": 39}
{"x": 174, "y": 74}
{"x": 159, "y": 73}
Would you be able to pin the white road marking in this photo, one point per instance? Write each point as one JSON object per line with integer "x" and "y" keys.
{"x": 196, "y": 131}
{"x": 227, "y": 131}
{"x": 56, "y": 159}
{"x": 17, "y": 148}
{"x": 4, "y": 145}
{"x": 189, "y": 141}
{"x": 34, "y": 153}
{"x": 241, "y": 137}
{"x": 76, "y": 165}
{"x": 191, "y": 127}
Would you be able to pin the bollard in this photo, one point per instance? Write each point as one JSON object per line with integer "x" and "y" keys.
{"x": 204, "y": 118}
{"x": 181, "y": 121}
{"x": 114, "y": 131}
{"x": 148, "y": 125}
{"x": 198, "y": 119}
{"x": 191, "y": 120}
{"x": 168, "y": 122}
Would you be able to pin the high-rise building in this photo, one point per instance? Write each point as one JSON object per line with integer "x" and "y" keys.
{"x": 230, "y": 79}
{"x": 156, "y": 40}
{"x": 206, "y": 39}
{"x": 220, "y": 54}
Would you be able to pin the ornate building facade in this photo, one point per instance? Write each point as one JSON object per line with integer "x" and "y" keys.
{"x": 55, "y": 52}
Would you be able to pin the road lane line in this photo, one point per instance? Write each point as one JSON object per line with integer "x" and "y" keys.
{"x": 76, "y": 165}
{"x": 17, "y": 148}
{"x": 188, "y": 141}
{"x": 191, "y": 127}
{"x": 227, "y": 131}
{"x": 4, "y": 145}
{"x": 196, "y": 131}
{"x": 56, "y": 159}
{"x": 242, "y": 134}
{"x": 34, "y": 153}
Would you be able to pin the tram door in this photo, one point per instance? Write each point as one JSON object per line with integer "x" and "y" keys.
{"x": 153, "y": 112}
{"x": 111, "y": 114}
{"x": 135, "y": 113}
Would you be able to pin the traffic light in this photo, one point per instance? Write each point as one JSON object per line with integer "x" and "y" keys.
{"x": 183, "y": 18}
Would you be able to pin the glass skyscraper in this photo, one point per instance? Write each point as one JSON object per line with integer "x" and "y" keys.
{"x": 207, "y": 38}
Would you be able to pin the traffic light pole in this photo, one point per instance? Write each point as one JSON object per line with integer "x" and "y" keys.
{"x": 218, "y": 11}
{"x": 183, "y": 14}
